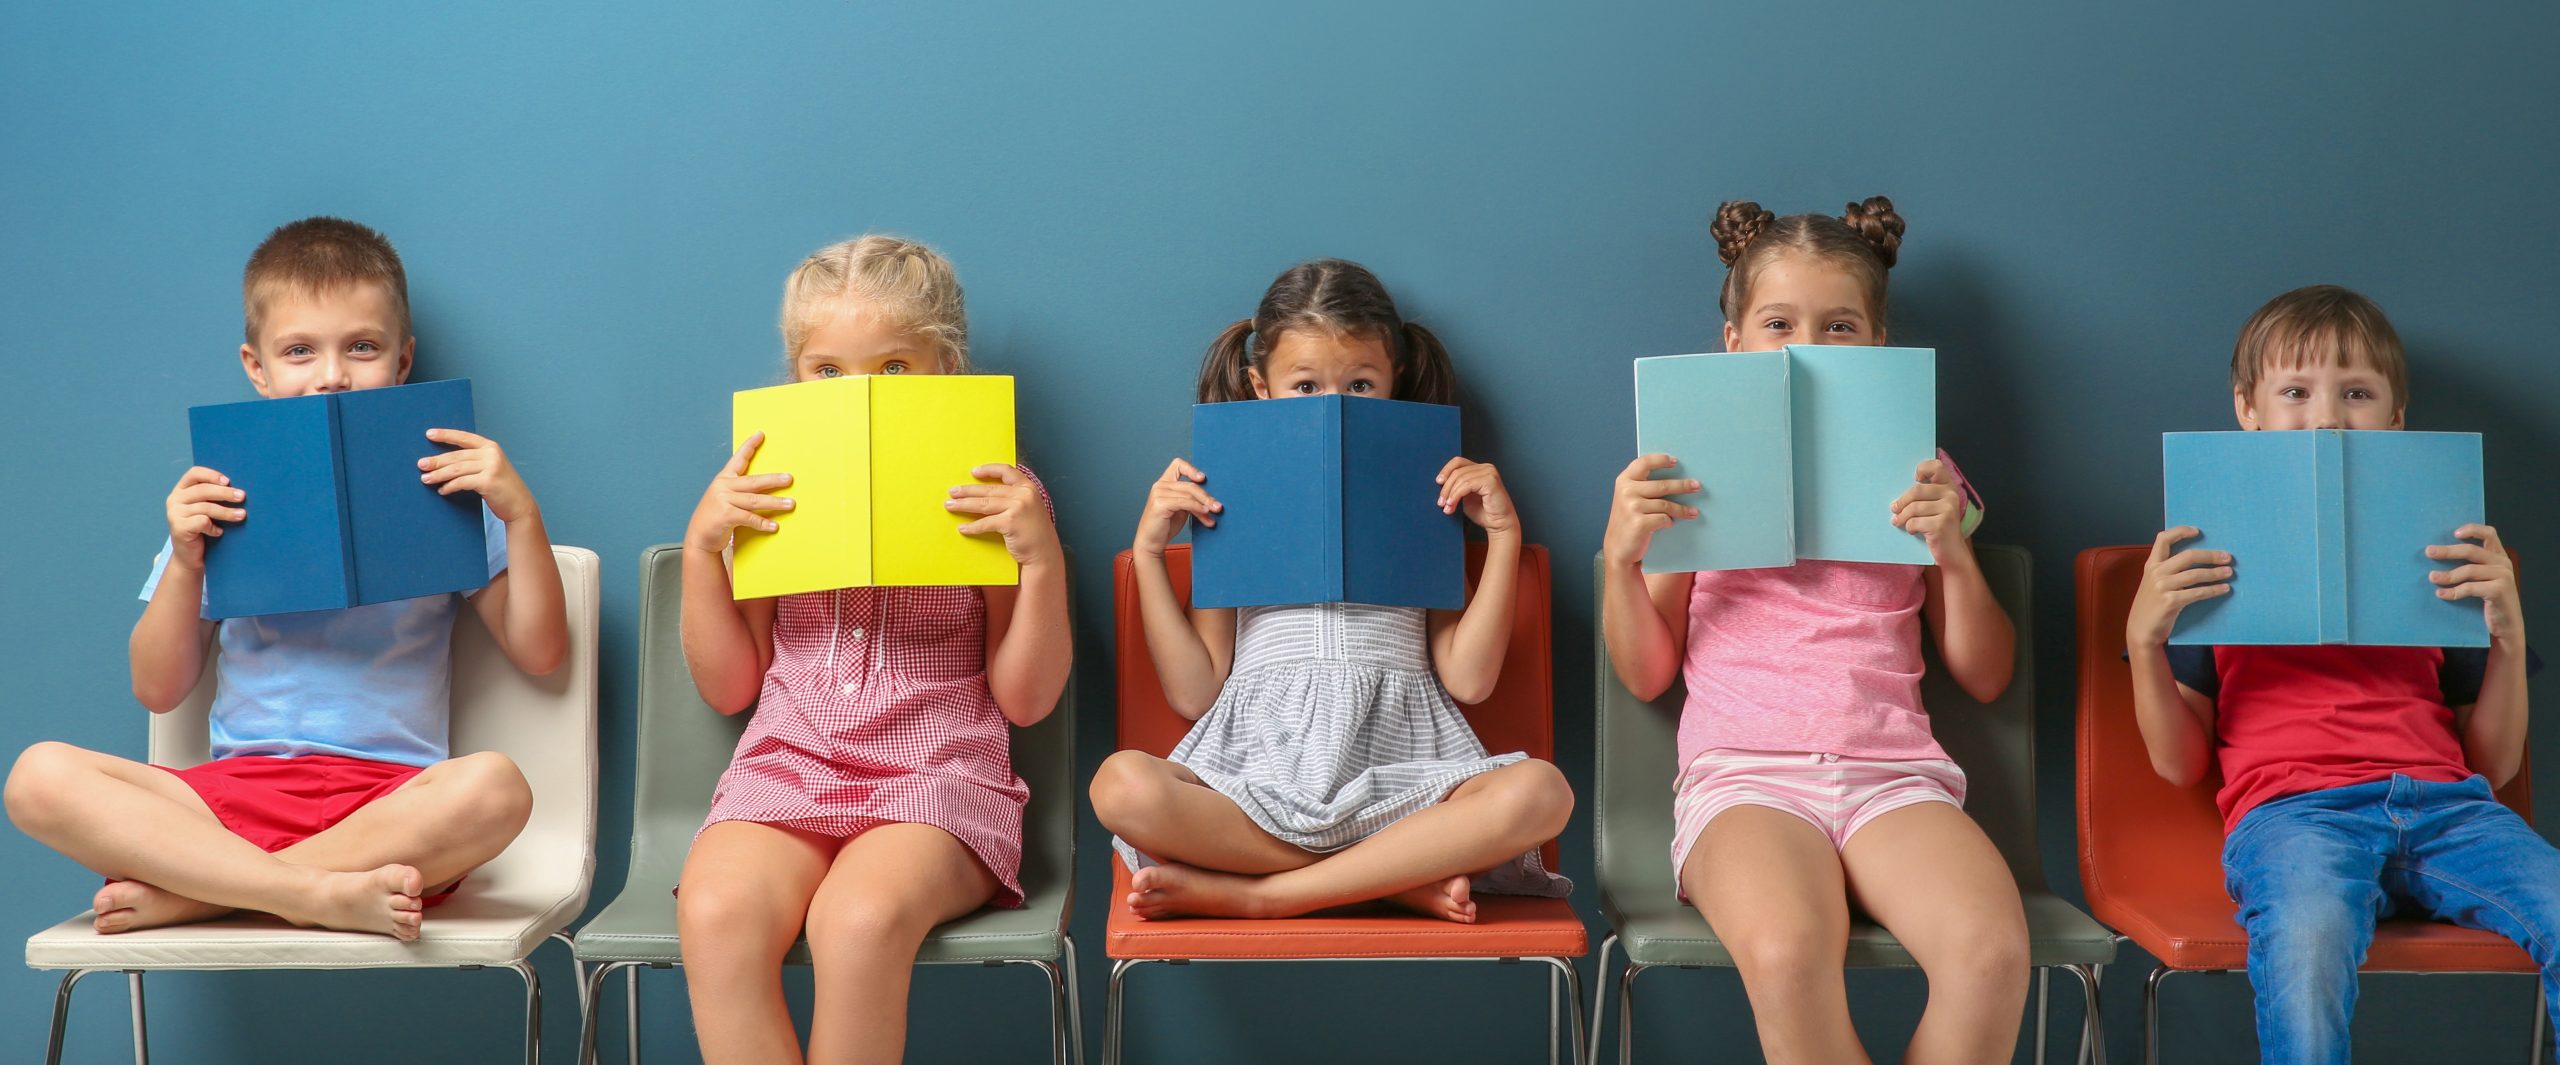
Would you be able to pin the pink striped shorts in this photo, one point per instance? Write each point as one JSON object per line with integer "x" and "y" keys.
{"x": 1835, "y": 794}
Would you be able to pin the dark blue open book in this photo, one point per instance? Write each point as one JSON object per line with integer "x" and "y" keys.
{"x": 1328, "y": 500}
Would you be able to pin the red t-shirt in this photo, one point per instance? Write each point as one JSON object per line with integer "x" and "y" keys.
{"x": 2289, "y": 720}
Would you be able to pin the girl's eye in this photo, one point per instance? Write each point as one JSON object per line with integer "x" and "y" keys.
{"x": 829, "y": 371}
{"x": 1362, "y": 388}
{"x": 894, "y": 368}
{"x": 1843, "y": 327}
{"x": 1775, "y": 325}
{"x": 1304, "y": 388}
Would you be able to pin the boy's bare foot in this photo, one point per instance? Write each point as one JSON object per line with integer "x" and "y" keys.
{"x": 384, "y": 901}
{"x": 1449, "y": 900}
{"x": 1173, "y": 890}
{"x": 131, "y": 905}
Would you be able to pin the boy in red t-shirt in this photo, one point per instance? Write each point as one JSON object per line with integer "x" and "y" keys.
{"x": 2356, "y": 781}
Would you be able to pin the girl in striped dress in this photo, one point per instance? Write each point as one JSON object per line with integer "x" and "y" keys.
{"x": 873, "y": 795}
{"x": 1809, "y": 780}
{"x": 1329, "y": 764}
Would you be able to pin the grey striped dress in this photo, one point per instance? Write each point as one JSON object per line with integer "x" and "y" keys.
{"x": 1332, "y": 726}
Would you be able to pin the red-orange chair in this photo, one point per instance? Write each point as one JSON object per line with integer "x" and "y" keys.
{"x": 2151, "y": 852}
{"x": 1517, "y": 717}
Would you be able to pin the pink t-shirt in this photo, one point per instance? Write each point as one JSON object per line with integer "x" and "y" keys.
{"x": 1818, "y": 658}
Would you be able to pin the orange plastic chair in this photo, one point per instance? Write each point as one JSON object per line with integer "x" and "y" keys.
{"x": 1517, "y": 717}
{"x": 2151, "y": 852}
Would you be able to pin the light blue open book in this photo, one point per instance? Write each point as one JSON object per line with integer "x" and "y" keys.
{"x": 2328, "y": 532}
{"x": 1802, "y": 452}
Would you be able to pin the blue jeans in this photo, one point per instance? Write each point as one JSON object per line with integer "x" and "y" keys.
{"x": 2313, "y": 872}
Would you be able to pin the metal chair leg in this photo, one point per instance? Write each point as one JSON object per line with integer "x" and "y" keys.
{"x": 2541, "y": 1021}
{"x": 532, "y": 1012}
{"x": 1058, "y": 1008}
{"x": 1627, "y": 1011}
{"x": 1075, "y": 1001}
{"x": 593, "y": 997}
{"x": 2044, "y": 1006}
{"x": 1112, "y": 1002}
{"x": 2151, "y": 1014}
{"x": 62, "y": 1014}
{"x": 141, "y": 1033}
{"x": 2093, "y": 1032}
{"x": 1599, "y": 999}
{"x": 1563, "y": 973}
{"x": 1552, "y": 981}
{"x": 630, "y": 1014}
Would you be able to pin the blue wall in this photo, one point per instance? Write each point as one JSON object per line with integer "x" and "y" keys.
{"x": 598, "y": 202}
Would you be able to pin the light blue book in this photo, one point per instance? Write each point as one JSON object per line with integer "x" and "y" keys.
{"x": 2328, "y": 532}
{"x": 1801, "y": 452}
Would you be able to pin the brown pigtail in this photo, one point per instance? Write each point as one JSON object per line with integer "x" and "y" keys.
{"x": 1737, "y": 224}
{"x": 1225, "y": 373}
{"x": 1876, "y": 222}
{"x": 1423, "y": 370}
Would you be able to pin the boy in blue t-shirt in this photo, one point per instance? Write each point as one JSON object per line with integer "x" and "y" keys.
{"x": 330, "y": 800}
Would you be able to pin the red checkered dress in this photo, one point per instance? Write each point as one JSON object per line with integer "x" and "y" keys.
{"x": 877, "y": 710}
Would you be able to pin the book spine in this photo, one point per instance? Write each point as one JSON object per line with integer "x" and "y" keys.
{"x": 1336, "y": 585}
{"x": 2329, "y": 511}
{"x": 345, "y": 503}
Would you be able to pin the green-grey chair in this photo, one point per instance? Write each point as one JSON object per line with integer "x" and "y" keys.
{"x": 1995, "y": 743}
{"x": 684, "y": 745}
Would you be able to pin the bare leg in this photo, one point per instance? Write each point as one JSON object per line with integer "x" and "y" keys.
{"x": 887, "y": 889}
{"x": 1163, "y": 809}
{"x": 745, "y": 891}
{"x": 130, "y": 821}
{"x": 1928, "y": 874}
{"x": 1771, "y": 887}
{"x": 1488, "y": 820}
{"x": 451, "y": 818}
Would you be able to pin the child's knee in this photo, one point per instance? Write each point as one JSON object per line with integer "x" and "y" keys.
{"x": 723, "y": 910}
{"x": 851, "y": 926}
{"x": 1778, "y": 955}
{"x": 490, "y": 793}
{"x": 1126, "y": 788}
{"x": 2308, "y": 935}
{"x": 1537, "y": 796}
{"x": 40, "y": 781}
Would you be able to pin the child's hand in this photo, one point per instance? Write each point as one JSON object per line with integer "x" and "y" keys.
{"x": 1010, "y": 509}
{"x": 2170, "y": 582}
{"x": 1933, "y": 509}
{"x": 477, "y": 465}
{"x": 1477, "y": 486}
{"x": 1176, "y": 498}
{"x": 2488, "y": 575}
{"x": 201, "y": 500}
{"x": 1639, "y": 507}
{"x": 736, "y": 501}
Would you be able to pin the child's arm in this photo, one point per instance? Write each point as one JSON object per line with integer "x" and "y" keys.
{"x": 728, "y": 645}
{"x": 1974, "y": 636}
{"x": 2493, "y": 728}
{"x": 2176, "y": 720}
{"x": 167, "y": 646}
{"x": 1192, "y": 649}
{"x": 531, "y": 623}
{"x": 1027, "y": 663}
{"x": 1467, "y": 646}
{"x": 1644, "y": 618}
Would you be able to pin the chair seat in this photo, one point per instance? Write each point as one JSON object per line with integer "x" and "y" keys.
{"x": 640, "y": 926}
{"x": 1656, "y": 928}
{"x": 473, "y": 928}
{"x": 2203, "y": 932}
{"x": 1507, "y": 926}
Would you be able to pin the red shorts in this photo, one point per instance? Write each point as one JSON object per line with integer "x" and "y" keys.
{"x": 278, "y": 802}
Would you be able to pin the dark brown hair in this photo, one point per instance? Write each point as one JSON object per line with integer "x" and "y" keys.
{"x": 1865, "y": 240}
{"x": 2312, "y": 325}
{"x": 317, "y": 255}
{"x": 1339, "y": 297}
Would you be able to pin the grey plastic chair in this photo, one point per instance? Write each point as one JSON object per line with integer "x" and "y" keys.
{"x": 1995, "y": 744}
{"x": 684, "y": 745}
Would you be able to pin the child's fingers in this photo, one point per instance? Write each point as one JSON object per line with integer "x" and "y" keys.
{"x": 762, "y": 482}
{"x": 737, "y": 464}
{"x": 1006, "y": 491}
{"x": 1000, "y": 473}
{"x": 2192, "y": 558}
{"x": 449, "y": 472}
{"x": 2170, "y": 538}
{"x": 1644, "y": 465}
{"x": 977, "y": 506}
{"x": 460, "y": 438}
{"x": 1454, "y": 463}
{"x": 196, "y": 475}
{"x": 216, "y": 511}
{"x": 1665, "y": 506}
{"x": 2464, "y": 552}
{"x": 761, "y": 503}
{"x": 744, "y": 519}
{"x": 2473, "y": 590}
{"x": 2184, "y": 579}
{"x": 207, "y": 492}
{"x": 2465, "y": 574}
{"x": 2487, "y": 535}
{"x": 1659, "y": 489}
{"x": 1190, "y": 497}
{"x": 1181, "y": 470}
{"x": 1931, "y": 472}
{"x": 2199, "y": 592}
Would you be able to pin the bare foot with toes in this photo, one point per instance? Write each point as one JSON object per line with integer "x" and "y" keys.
{"x": 383, "y": 900}
{"x": 1449, "y": 900}
{"x": 131, "y": 905}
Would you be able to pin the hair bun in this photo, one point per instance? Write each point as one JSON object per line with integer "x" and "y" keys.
{"x": 1737, "y": 223}
{"x": 1875, "y": 220}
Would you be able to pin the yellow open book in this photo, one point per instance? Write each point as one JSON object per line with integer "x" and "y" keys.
{"x": 871, "y": 459}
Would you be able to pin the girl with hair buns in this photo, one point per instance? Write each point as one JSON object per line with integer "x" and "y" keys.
{"x": 873, "y": 796}
{"x": 1809, "y": 781}
{"x": 1329, "y": 764}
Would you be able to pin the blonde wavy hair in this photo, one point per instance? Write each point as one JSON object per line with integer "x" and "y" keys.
{"x": 906, "y": 282}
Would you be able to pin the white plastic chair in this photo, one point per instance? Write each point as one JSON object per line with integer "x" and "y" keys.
{"x": 501, "y": 913}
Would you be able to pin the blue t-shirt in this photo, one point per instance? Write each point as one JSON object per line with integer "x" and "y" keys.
{"x": 372, "y": 682}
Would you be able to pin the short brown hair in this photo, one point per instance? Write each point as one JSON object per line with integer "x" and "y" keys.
{"x": 1865, "y": 239}
{"x": 2307, "y": 325}
{"x": 319, "y": 254}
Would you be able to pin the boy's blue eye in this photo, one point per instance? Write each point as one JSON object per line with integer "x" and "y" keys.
{"x": 829, "y": 371}
{"x": 894, "y": 368}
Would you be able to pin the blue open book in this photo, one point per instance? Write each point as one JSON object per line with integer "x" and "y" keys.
{"x": 336, "y": 514}
{"x": 1329, "y": 499}
{"x": 1802, "y": 452}
{"x": 2328, "y": 532}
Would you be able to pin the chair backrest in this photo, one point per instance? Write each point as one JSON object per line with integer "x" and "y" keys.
{"x": 1518, "y": 716}
{"x": 684, "y": 746}
{"x": 1638, "y": 747}
{"x": 546, "y": 724}
{"x": 2135, "y": 826}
